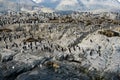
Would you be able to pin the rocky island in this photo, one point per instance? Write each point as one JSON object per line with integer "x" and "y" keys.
{"x": 53, "y": 46}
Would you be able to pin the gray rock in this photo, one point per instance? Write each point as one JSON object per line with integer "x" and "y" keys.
{"x": 66, "y": 72}
{"x": 7, "y": 55}
{"x": 0, "y": 57}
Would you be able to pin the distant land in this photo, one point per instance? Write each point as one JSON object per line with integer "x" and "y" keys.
{"x": 61, "y": 5}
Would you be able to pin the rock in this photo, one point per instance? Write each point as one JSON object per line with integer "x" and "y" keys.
{"x": 37, "y": 49}
{"x": 20, "y": 64}
{"x": 44, "y": 73}
{"x": 7, "y": 55}
{"x": 0, "y": 57}
{"x": 105, "y": 58}
{"x": 1, "y": 74}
